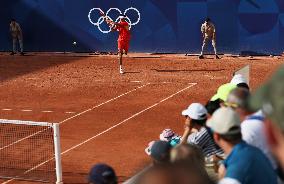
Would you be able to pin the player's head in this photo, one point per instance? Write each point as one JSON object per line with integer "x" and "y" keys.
{"x": 207, "y": 20}
{"x": 122, "y": 17}
{"x": 13, "y": 20}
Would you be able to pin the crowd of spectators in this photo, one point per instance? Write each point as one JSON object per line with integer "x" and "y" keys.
{"x": 236, "y": 138}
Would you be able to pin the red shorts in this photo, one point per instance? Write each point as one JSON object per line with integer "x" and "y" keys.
{"x": 123, "y": 45}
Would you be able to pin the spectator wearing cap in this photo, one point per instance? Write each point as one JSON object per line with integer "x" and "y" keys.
{"x": 196, "y": 116}
{"x": 102, "y": 174}
{"x": 223, "y": 92}
{"x": 270, "y": 98}
{"x": 159, "y": 152}
{"x": 170, "y": 136}
{"x": 252, "y": 125}
{"x": 244, "y": 164}
{"x": 240, "y": 81}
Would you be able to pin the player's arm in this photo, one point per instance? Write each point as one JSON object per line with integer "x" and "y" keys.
{"x": 108, "y": 21}
{"x": 123, "y": 25}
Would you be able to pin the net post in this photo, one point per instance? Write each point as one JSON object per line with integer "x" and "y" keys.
{"x": 57, "y": 152}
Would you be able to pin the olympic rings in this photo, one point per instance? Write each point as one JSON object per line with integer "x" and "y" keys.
{"x": 107, "y": 15}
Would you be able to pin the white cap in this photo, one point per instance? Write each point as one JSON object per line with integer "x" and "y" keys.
{"x": 223, "y": 120}
{"x": 195, "y": 111}
{"x": 238, "y": 79}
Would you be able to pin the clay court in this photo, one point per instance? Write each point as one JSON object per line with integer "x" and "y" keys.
{"x": 108, "y": 117}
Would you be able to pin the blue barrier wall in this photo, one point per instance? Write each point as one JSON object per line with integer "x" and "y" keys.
{"x": 165, "y": 25}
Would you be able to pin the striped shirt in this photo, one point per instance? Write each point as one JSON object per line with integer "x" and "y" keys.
{"x": 204, "y": 140}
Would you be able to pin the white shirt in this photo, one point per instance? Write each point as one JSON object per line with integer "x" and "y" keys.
{"x": 253, "y": 133}
{"x": 228, "y": 181}
{"x": 208, "y": 29}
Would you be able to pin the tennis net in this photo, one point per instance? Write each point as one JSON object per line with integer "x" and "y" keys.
{"x": 30, "y": 151}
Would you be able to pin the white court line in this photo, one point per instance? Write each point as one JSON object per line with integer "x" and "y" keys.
{"x": 26, "y": 110}
{"x": 76, "y": 115}
{"x": 47, "y": 111}
{"x": 92, "y": 108}
{"x": 6, "y": 109}
{"x": 70, "y": 112}
{"x": 109, "y": 129}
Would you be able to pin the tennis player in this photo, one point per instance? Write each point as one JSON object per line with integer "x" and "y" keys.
{"x": 123, "y": 39}
{"x": 209, "y": 33}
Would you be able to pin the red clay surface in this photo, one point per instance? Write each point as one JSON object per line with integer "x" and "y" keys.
{"x": 154, "y": 92}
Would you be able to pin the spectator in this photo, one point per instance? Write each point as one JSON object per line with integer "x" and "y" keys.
{"x": 196, "y": 116}
{"x": 17, "y": 35}
{"x": 244, "y": 164}
{"x": 212, "y": 106}
{"x": 188, "y": 153}
{"x": 252, "y": 125}
{"x": 159, "y": 152}
{"x": 170, "y": 136}
{"x": 223, "y": 92}
{"x": 173, "y": 174}
{"x": 102, "y": 174}
{"x": 270, "y": 98}
{"x": 240, "y": 81}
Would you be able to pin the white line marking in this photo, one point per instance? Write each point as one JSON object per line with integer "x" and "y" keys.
{"x": 70, "y": 112}
{"x": 26, "y": 110}
{"x": 47, "y": 111}
{"x": 136, "y": 81}
{"x": 131, "y": 117}
{"x": 107, "y": 130}
{"x": 6, "y": 109}
{"x": 108, "y": 101}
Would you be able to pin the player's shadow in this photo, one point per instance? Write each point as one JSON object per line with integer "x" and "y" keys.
{"x": 185, "y": 70}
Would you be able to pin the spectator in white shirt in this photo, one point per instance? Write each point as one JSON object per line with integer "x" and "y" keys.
{"x": 252, "y": 125}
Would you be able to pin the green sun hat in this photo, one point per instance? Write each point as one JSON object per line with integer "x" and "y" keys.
{"x": 223, "y": 92}
{"x": 270, "y": 98}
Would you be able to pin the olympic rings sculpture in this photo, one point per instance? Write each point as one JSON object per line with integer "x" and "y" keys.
{"x": 107, "y": 15}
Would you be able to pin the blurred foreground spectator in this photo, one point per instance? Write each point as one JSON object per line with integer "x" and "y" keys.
{"x": 102, "y": 174}
{"x": 173, "y": 174}
{"x": 270, "y": 98}
{"x": 244, "y": 164}
{"x": 252, "y": 125}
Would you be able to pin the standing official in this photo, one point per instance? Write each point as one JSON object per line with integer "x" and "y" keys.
{"x": 17, "y": 35}
{"x": 209, "y": 33}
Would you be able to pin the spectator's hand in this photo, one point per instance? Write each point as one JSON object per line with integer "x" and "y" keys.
{"x": 221, "y": 171}
{"x": 187, "y": 131}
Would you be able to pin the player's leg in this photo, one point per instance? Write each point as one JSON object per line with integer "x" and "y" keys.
{"x": 14, "y": 45}
{"x": 120, "y": 54}
{"x": 205, "y": 40}
{"x": 215, "y": 49}
{"x": 21, "y": 45}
